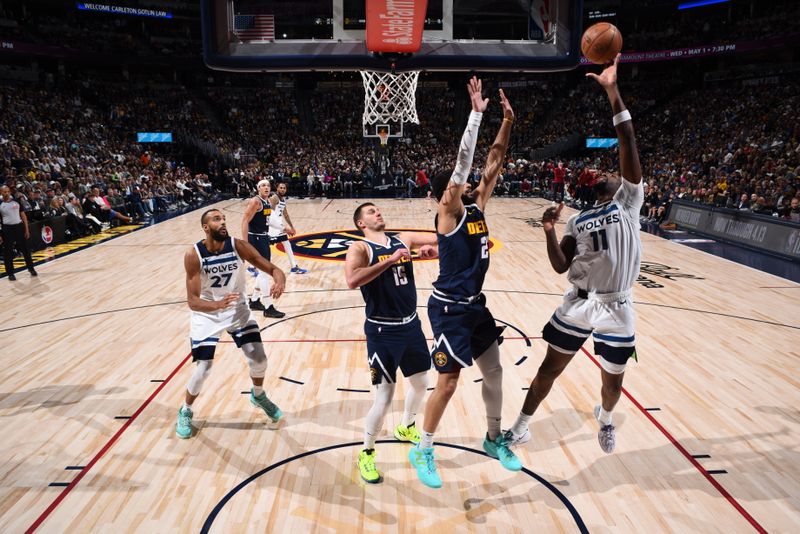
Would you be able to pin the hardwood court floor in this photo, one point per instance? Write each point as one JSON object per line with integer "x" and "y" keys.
{"x": 95, "y": 351}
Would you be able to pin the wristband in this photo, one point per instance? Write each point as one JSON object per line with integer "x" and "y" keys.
{"x": 509, "y": 120}
{"x": 622, "y": 116}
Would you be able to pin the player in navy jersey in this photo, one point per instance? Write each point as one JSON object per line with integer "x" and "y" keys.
{"x": 381, "y": 266}
{"x": 463, "y": 328}
{"x": 255, "y": 229}
{"x": 601, "y": 250}
{"x": 215, "y": 288}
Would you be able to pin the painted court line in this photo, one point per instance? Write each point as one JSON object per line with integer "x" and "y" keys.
{"x": 707, "y": 474}
{"x": 39, "y": 520}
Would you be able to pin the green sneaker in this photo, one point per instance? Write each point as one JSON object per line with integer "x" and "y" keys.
{"x": 407, "y": 433}
{"x": 499, "y": 449}
{"x": 366, "y": 466}
{"x": 184, "y": 426}
{"x": 422, "y": 460}
{"x": 269, "y": 407}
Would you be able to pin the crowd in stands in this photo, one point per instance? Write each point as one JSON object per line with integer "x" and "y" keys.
{"x": 71, "y": 150}
{"x": 62, "y": 155}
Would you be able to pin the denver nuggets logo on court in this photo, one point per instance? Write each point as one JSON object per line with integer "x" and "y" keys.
{"x": 333, "y": 245}
{"x": 440, "y": 358}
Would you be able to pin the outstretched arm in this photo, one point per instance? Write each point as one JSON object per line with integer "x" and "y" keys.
{"x": 450, "y": 206}
{"x": 426, "y": 243}
{"x": 629, "y": 165}
{"x": 497, "y": 155}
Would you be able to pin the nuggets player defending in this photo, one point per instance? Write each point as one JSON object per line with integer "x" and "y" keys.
{"x": 255, "y": 225}
{"x": 381, "y": 266}
{"x": 215, "y": 289}
{"x": 463, "y": 328}
{"x": 281, "y": 227}
{"x": 602, "y": 250}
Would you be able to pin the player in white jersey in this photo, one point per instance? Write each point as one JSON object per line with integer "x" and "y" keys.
{"x": 280, "y": 224}
{"x": 216, "y": 288}
{"x": 601, "y": 249}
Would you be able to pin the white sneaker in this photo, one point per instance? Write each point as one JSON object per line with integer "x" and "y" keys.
{"x": 607, "y": 436}
{"x": 514, "y": 439}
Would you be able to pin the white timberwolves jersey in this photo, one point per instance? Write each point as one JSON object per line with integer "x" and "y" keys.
{"x": 220, "y": 273}
{"x": 609, "y": 249}
{"x": 276, "y": 223}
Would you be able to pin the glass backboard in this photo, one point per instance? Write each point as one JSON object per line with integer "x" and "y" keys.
{"x": 329, "y": 35}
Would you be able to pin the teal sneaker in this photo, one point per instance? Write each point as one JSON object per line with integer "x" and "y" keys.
{"x": 269, "y": 407}
{"x": 184, "y": 426}
{"x": 499, "y": 449}
{"x": 422, "y": 461}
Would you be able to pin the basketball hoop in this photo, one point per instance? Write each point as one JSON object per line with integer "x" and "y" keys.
{"x": 389, "y": 97}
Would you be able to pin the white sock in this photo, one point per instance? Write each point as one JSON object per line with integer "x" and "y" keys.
{"x": 427, "y": 440}
{"x": 186, "y": 406}
{"x": 604, "y": 417}
{"x": 521, "y": 425}
{"x": 369, "y": 439}
{"x": 258, "y": 390}
{"x": 287, "y": 246}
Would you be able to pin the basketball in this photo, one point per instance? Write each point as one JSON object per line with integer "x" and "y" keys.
{"x": 601, "y": 43}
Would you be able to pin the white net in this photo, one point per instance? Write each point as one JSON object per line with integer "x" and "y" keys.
{"x": 389, "y": 97}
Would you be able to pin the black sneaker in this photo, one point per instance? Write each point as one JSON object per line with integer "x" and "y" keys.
{"x": 256, "y": 305}
{"x": 12, "y": 277}
{"x": 273, "y": 313}
{"x": 33, "y": 272}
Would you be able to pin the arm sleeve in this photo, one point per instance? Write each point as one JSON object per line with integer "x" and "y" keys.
{"x": 466, "y": 151}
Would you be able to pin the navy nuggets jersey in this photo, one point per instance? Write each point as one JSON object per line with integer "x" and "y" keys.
{"x": 260, "y": 221}
{"x": 220, "y": 273}
{"x": 392, "y": 295}
{"x": 464, "y": 256}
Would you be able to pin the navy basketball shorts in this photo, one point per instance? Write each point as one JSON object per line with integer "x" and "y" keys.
{"x": 261, "y": 242}
{"x": 461, "y": 332}
{"x": 611, "y": 324}
{"x": 390, "y": 346}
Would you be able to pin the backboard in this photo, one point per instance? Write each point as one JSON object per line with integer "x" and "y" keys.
{"x": 329, "y": 35}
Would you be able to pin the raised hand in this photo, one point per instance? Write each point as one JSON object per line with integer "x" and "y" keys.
{"x": 508, "y": 113}
{"x": 551, "y": 216}
{"x": 475, "y": 87}
{"x": 608, "y": 78}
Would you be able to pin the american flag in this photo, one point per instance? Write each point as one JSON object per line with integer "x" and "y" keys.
{"x": 254, "y": 27}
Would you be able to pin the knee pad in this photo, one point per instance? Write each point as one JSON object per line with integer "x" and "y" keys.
{"x": 256, "y": 359}
{"x": 201, "y": 373}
